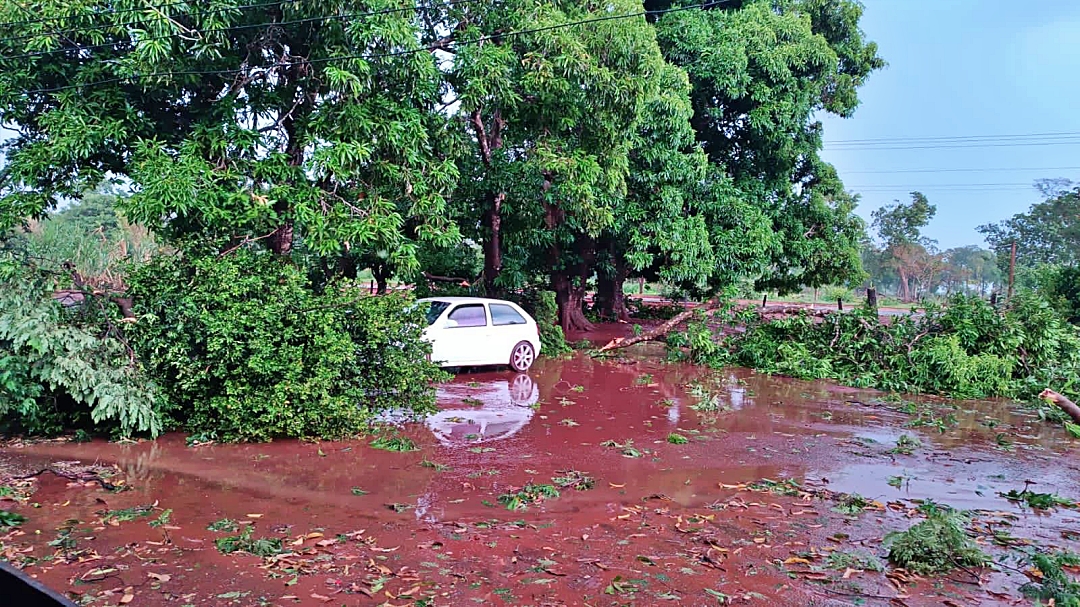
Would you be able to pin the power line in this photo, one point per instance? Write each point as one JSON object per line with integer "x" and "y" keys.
{"x": 452, "y": 46}
{"x": 972, "y": 170}
{"x": 970, "y": 145}
{"x": 138, "y": 41}
{"x": 957, "y": 137}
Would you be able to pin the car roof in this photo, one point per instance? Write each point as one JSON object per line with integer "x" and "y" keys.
{"x": 454, "y": 300}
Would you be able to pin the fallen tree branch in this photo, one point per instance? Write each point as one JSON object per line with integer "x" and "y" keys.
{"x": 1061, "y": 401}
{"x": 460, "y": 281}
{"x": 659, "y": 331}
{"x": 85, "y": 477}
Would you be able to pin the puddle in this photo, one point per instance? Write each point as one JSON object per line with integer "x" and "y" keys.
{"x": 436, "y": 512}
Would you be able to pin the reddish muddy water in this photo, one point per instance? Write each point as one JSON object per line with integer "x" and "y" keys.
{"x": 662, "y": 523}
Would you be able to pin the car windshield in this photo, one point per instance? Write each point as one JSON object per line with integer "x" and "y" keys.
{"x": 435, "y": 309}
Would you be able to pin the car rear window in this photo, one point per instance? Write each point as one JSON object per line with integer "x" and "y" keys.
{"x": 468, "y": 315}
{"x": 502, "y": 314}
{"x": 435, "y": 310}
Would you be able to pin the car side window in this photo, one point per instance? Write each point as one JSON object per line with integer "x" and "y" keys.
{"x": 502, "y": 314}
{"x": 468, "y": 315}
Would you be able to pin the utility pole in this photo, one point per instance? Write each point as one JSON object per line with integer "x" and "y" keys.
{"x": 1012, "y": 269}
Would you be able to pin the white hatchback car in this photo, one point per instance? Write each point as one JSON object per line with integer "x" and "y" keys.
{"x": 474, "y": 331}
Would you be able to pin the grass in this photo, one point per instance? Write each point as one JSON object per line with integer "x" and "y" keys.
{"x": 262, "y": 547}
{"x": 528, "y": 495}
{"x": 394, "y": 443}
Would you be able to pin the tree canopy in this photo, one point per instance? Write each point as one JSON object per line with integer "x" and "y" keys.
{"x": 1049, "y": 233}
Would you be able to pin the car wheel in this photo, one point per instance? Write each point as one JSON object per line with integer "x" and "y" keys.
{"x": 522, "y": 357}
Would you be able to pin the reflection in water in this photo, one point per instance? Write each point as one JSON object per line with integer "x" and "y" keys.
{"x": 503, "y": 408}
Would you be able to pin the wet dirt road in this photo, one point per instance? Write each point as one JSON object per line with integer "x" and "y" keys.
{"x": 687, "y": 521}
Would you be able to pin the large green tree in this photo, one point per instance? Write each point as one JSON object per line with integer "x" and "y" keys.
{"x": 1049, "y": 233}
{"x": 284, "y": 123}
{"x": 761, "y": 71}
{"x": 550, "y": 117}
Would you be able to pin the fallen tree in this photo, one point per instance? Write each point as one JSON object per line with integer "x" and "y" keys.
{"x": 660, "y": 330}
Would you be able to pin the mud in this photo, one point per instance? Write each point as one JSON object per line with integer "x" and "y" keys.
{"x": 662, "y": 522}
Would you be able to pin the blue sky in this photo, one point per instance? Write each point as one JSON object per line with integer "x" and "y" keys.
{"x": 960, "y": 68}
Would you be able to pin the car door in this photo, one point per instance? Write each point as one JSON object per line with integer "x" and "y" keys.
{"x": 465, "y": 335}
{"x": 508, "y": 327}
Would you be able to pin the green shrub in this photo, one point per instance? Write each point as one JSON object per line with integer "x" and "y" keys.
{"x": 245, "y": 349}
{"x": 542, "y": 307}
{"x": 61, "y": 370}
{"x": 966, "y": 349}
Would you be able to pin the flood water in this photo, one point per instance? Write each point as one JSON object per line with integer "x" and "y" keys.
{"x": 662, "y": 522}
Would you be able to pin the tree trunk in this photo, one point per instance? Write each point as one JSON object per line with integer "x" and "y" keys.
{"x": 571, "y": 300}
{"x": 904, "y": 288}
{"x": 382, "y": 276}
{"x": 493, "y": 243}
{"x": 610, "y": 297}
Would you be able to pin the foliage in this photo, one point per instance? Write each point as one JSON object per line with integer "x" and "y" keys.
{"x": 966, "y": 349}
{"x": 399, "y": 444}
{"x": 851, "y": 504}
{"x": 641, "y": 310}
{"x": 574, "y": 479}
{"x": 61, "y": 369}
{"x": 542, "y": 307}
{"x": 11, "y": 519}
{"x": 241, "y": 361}
{"x": 906, "y": 444}
{"x": 1049, "y": 233}
{"x": 938, "y": 544}
{"x": 842, "y": 560}
{"x": 262, "y": 547}
{"x": 230, "y": 124}
{"x": 677, "y": 439}
{"x": 528, "y": 495}
{"x": 227, "y": 525}
{"x": 1053, "y": 584}
{"x": 760, "y": 72}
{"x": 1041, "y": 501}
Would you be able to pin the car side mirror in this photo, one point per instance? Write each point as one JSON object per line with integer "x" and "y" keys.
{"x": 449, "y": 324}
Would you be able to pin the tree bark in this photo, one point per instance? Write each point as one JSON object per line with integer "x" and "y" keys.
{"x": 382, "y": 276}
{"x": 493, "y": 243}
{"x": 1066, "y": 405}
{"x": 610, "y": 297}
{"x": 571, "y": 301}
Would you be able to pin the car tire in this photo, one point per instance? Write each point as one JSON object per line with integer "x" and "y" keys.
{"x": 522, "y": 356}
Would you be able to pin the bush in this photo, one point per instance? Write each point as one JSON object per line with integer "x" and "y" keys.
{"x": 62, "y": 370}
{"x": 542, "y": 307}
{"x": 964, "y": 350}
{"x": 245, "y": 349}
